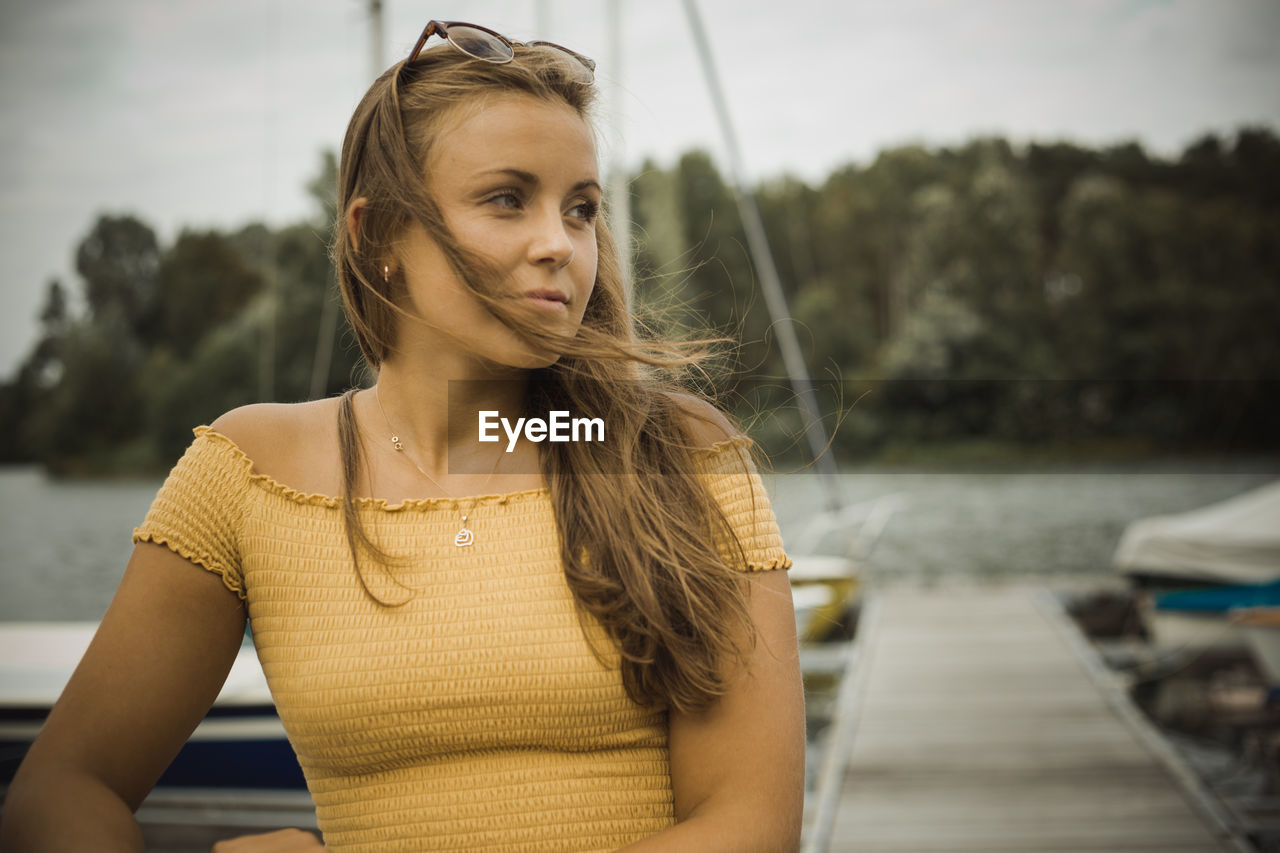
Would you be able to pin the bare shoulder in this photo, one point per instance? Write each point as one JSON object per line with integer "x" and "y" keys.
{"x": 263, "y": 430}
{"x": 706, "y": 423}
{"x": 285, "y": 441}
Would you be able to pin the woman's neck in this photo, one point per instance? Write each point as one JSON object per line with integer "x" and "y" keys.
{"x": 435, "y": 409}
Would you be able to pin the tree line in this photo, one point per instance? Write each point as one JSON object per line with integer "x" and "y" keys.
{"x": 1015, "y": 295}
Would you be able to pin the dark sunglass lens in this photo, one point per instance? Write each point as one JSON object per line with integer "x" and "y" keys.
{"x": 480, "y": 44}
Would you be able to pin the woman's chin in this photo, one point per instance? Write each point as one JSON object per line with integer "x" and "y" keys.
{"x": 522, "y": 358}
{"x": 526, "y": 355}
{"x": 535, "y": 359}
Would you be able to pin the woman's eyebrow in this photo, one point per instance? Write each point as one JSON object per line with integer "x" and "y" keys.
{"x": 532, "y": 179}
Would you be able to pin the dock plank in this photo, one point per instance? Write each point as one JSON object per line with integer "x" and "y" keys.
{"x": 979, "y": 730}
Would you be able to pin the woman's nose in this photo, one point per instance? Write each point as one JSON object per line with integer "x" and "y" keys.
{"x": 550, "y": 243}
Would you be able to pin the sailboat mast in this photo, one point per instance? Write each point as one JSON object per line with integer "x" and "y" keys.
{"x": 762, "y": 258}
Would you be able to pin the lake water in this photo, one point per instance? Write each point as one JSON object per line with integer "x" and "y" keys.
{"x": 65, "y": 544}
{"x": 1045, "y": 522}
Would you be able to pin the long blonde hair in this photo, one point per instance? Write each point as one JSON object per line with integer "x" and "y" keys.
{"x": 646, "y": 548}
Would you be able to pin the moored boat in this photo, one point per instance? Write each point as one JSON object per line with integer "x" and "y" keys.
{"x": 823, "y": 588}
{"x": 1202, "y": 618}
{"x": 1236, "y": 541}
{"x": 1193, "y": 568}
{"x": 241, "y": 742}
{"x": 1261, "y": 627}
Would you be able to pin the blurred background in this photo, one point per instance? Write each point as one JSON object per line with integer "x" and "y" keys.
{"x": 1016, "y": 238}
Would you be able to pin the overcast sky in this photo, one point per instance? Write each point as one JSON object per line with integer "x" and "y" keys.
{"x": 214, "y": 112}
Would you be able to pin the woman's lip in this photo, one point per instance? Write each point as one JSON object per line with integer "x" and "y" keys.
{"x": 548, "y": 299}
{"x": 548, "y": 293}
{"x": 548, "y": 304}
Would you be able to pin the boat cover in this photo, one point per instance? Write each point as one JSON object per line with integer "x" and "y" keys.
{"x": 1220, "y": 599}
{"x": 1235, "y": 541}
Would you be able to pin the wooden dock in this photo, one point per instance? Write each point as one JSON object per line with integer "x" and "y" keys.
{"x": 976, "y": 726}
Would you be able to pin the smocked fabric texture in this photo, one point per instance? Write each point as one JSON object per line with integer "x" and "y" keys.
{"x": 474, "y": 715}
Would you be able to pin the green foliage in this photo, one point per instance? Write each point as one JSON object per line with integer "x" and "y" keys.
{"x": 118, "y": 261}
{"x": 219, "y": 375}
{"x": 171, "y": 337}
{"x": 658, "y": 222}
{"x": 1051, "y": 294}
{"x": 96, "y": 403}
{"x": 204, "y": 282}
{"x": 323, "y": 189}
{"x": 981, "y": 294}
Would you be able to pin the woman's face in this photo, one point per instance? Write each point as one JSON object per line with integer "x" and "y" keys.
{"x": 517, "y": 182}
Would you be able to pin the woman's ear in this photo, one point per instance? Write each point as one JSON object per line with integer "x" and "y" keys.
{"x": 355, "y": 211}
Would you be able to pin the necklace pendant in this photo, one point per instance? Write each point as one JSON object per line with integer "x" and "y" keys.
{"x": 464, "y": 536}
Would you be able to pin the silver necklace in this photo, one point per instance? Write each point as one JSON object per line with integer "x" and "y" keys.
{"x": 464, "y": 536}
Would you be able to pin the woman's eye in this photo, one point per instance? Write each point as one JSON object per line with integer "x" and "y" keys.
{"x": 586, "y": 211}
{"x": 509, "y": 200}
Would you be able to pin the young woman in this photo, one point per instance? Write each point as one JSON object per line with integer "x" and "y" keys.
{"x": 580, "y": 645}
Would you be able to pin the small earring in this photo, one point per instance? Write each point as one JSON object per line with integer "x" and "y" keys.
{"x": 386, "y": 274}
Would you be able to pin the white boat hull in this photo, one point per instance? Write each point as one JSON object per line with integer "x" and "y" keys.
{"x": 240, "y": 744}
{"x": 1176, "y": 629}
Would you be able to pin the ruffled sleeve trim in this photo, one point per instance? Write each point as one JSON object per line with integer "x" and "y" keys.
{"x": 204, "y": 561}
{"x": 734, "y": 482}
{"x": 781, "y": 563}
{"x": 199, "y": 511}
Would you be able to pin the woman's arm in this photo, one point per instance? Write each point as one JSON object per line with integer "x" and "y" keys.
{"x": 156, "y": 663}
{"x": 737, "y": 769}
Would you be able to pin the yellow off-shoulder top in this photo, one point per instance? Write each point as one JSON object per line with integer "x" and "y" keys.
{"x": 473, "y": 717}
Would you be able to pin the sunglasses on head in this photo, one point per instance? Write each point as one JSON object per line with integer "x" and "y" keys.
{"x": 482, "y": 43}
